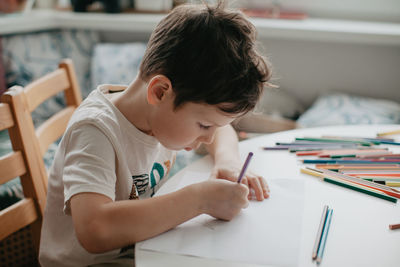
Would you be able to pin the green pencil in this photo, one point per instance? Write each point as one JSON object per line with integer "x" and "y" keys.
{"x": 359, "y": 189}
{"x": 363, "y": 143}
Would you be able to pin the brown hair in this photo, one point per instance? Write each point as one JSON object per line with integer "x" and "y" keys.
{"x": 209, "y": 55}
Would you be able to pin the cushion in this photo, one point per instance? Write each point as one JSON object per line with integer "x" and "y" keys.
{"x": 279, "y": 103}
{"x": 27, "y": 57}
{"x": 342, "y": 109}
{"x": 116, "y": 63}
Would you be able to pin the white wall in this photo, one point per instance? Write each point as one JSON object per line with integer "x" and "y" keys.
{"x": 376, "y": 10}
{"x": 309, "y": 68}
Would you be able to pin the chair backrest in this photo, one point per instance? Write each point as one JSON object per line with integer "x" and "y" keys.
{"x": 30, "y": 145}
{"x": 28, "y": 211}
{"x": 24, "y": 100}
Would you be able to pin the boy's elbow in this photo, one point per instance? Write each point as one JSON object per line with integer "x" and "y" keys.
{"x": 94, "y": 237}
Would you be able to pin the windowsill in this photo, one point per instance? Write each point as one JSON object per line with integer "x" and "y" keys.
{"x": 309, "y": 29}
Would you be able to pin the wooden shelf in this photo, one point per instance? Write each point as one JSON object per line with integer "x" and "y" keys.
{"x": 309, "y": 29}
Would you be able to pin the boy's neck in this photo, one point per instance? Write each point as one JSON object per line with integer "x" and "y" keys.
{"x": 133, "y": 105}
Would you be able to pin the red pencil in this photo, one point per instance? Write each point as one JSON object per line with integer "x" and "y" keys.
{"x": 394, "y": 226}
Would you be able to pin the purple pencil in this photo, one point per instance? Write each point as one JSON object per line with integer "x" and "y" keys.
{"x": 244, "y": 168}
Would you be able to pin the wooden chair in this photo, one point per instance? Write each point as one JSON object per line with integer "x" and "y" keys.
{"x": 24, "y": 218}
{"x": 24, "y": 101}
{"x": 30, "y": 145}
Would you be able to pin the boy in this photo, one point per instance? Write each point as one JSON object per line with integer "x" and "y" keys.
{"x": 200, "y": 72}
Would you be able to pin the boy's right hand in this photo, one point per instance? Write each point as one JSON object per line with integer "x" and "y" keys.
{"x": 222, "y": 199}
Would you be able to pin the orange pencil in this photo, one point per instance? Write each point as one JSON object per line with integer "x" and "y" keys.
{"x": 358, "y": 167}
{"x": 374, "y": 174}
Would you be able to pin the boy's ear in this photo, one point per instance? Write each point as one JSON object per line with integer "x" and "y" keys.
{"x": 158, "y": 88}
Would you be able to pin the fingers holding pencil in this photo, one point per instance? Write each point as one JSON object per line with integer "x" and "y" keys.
{"x": 259, "y": 186}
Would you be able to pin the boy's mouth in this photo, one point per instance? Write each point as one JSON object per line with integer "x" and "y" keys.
{"x": 188, "y": 148}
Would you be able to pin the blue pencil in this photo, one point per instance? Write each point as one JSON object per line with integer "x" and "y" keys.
{"x": 390, "y": 143}
{"x": 324, "y": 236}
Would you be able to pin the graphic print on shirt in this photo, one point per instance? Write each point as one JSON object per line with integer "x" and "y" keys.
{"x": 157, "y": 173}
{"x": 141, "y": 182}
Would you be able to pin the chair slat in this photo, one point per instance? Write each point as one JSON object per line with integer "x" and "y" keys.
{"x": 6, "y": 120}
{"x": 17, "y": 216}
{"x": 11, "y": 165}
{"x": 46, "y": 87}
{"x": 53, "y": 128}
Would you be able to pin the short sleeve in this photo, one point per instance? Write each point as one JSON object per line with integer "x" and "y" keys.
{"x": 89, "y": 165}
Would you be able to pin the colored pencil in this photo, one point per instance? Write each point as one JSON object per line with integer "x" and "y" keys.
{"x": 374, "y": 174}
{"x": 342, "y": 161}
{"x": 361, "y": 189}
{"x": 324, "y": 236}
{"x": 340, "y": 152}
{"x": 245, "y": 165}
{"x": 322, "y": 175}
{"x": 394, "y": 226}
{"x": 359, "y": 138}
{"x": 340, "y": 167}
{"x": 356, "y": 137}
{"x": 390, "y": 179}
{"x": 314, "y": 143}
{"x": 318, "y": 148}
{"x": 329, "y": 140}
{"x": 390, "y": 143}
{"x": 369, "y": 171}
{"x": 384, "y": 156}
{"x": 349, "y": 185}
{"x": 387, "y": 183}
{"x": 389, "y": 133}
{"x": 319, "y": 233}
{"x": 275, "y": 148}
{"x": 385, "y": 189}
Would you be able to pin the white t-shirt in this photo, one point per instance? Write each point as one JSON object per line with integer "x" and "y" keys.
{"x": 100, "y": 152}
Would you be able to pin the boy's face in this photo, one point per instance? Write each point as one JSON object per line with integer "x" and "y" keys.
{"x": 189, "y": 125}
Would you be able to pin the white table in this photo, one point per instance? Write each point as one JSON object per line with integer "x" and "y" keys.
{"x": 359, "y": 234}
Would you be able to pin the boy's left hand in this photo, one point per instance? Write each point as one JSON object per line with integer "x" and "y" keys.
{"x": 253, "y": 181}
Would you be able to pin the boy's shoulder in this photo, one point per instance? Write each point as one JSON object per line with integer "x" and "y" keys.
{"x": 97, "y": 106}
{"x": 97, "y": 110}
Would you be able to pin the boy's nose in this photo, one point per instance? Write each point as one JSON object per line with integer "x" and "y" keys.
{"x": 208, "y": 138}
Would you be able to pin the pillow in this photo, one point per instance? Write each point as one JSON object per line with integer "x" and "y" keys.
{"x": 116, "y": 63}
{"x": 279, "y": 103}
{"x": 27, "y": 57}
{"x": 341, "y": 109}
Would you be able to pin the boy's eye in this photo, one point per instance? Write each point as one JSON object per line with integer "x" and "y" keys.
{"x": 205, "y": 127}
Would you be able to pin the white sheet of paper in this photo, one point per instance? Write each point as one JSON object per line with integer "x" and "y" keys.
{"x": 246, "y": 238}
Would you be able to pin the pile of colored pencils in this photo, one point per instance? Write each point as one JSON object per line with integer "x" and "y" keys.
{"x": 357, "y": 163}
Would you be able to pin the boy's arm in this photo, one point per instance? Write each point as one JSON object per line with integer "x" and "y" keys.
{"x": 102, "y": 225}
{"x": 227, "y": 165}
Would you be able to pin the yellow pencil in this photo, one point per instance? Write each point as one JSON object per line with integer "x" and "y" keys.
{"x": 389, "y": 133}
{"x": 393, "y": 184}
